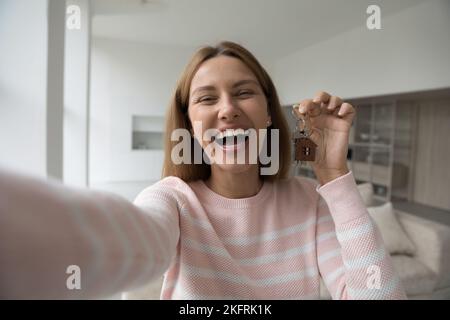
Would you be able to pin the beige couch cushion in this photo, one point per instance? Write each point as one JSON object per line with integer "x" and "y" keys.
{"x": 415, "y": 276}
{"x": 394, "y": 236}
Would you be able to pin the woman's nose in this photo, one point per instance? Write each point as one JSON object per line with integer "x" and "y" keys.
{"x": 228, "y": 109}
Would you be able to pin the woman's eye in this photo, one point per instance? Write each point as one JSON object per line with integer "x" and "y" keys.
{"x": 244, "y": 93}
{"x": 205, "y": 99}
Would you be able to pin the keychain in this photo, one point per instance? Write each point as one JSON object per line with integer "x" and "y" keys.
{"x": 304, "y": 147}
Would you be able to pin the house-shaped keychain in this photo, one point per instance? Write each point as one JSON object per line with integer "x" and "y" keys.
{"x": 305, "y": 149}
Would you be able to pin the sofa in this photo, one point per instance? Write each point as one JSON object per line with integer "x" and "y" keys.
{"x": 419, "y": 248}
{"x": 426, "y": 273}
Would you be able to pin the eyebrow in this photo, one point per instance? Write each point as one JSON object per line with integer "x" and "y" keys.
{"x": 240, "y": 83}
{"x": 237, "y": 84}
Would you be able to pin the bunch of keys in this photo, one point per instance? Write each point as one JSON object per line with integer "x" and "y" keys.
{"x": 304, "y": 147}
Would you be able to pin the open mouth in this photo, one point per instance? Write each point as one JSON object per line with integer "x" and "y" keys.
{"x": 232, "y": 137}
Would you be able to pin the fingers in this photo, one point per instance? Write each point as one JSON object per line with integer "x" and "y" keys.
{"x": 321, "y": 97}
{"x": 328, "y": 102}
{"x": 323, "y": 102}
{"x": 346, "y": 109}
{"x": 334, "y": 102}
{"x": 308, "y": 107}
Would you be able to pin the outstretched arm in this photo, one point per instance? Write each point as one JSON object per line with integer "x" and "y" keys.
{"x": 46, "y": 227}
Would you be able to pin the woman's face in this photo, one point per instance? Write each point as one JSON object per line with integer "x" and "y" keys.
{"x": 225, "y": 94}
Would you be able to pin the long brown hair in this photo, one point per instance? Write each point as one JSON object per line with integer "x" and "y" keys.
{"x": 177, "y": 115}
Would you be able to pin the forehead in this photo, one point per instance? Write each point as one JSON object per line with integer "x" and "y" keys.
{"x": 221, "y": 70}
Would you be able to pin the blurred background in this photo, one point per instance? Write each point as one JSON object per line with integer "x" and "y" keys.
{"x": 84, "y": 85}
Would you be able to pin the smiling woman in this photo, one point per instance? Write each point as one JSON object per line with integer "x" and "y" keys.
{"x": 230, "y": 79}
{"x": 216, "y": 231}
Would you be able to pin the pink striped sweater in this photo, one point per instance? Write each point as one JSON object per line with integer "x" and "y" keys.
{"x": 274, "y": 245}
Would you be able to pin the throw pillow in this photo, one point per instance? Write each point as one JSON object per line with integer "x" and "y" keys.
{"x": 394, "y": 236}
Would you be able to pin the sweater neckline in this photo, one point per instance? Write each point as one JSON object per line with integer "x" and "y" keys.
{"x": 210, "y": 197}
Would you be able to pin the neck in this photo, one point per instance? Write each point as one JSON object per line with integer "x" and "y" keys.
{"x": 235, "y": 185}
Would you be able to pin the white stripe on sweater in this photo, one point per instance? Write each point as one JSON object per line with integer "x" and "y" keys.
{"x": 366, "y": 260}
{"x": 326, "y": 236}
{"x": 263, "y": 259}
{"x": 268, "y": 236}
{"x": 329, "y": 278}
{"x": 357, "y": 232}
{"x": 331, "y": 254}
{"x": 97, "y": 265}
{"x": 221, "y": 252}
{"x": 244, "y": 280}
{"x": 125, "y": 243}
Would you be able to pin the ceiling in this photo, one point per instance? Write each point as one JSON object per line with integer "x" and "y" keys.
{"x": 273, "y": 27}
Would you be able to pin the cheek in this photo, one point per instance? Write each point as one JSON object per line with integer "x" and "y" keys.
{"x": 256, "y": 110}
{"x": 200, "y": 122}
{"x": 197, "y": 114}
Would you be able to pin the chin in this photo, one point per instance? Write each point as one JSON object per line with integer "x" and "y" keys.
{"x": 234, "y": 168}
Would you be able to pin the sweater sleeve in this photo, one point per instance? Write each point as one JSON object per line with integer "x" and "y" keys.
{"x": 351, "y": 255}
{"x": 58, "y": 242}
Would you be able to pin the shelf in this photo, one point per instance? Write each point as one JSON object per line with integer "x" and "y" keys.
{"x": 147, "y": 140}
{"x": 147, "y": 133}
{"x": 370, "y": 172}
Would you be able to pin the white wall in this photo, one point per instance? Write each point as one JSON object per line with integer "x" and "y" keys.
{"x": 23, "y": 79}
{"x": 127, "y": 79}
{"x": 55, "y": 89}
{"x": 76, "y": 88}
{"x": 431, "y": 174}
{"x": 411, "y": 52}
{"x": 31, "y": 90}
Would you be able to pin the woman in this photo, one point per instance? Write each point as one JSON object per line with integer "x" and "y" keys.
{"x": 217, "y": 230}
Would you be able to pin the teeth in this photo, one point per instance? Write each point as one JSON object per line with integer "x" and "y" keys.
{"x": 219, "y": 135}
{"x": 231, "y": 133}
